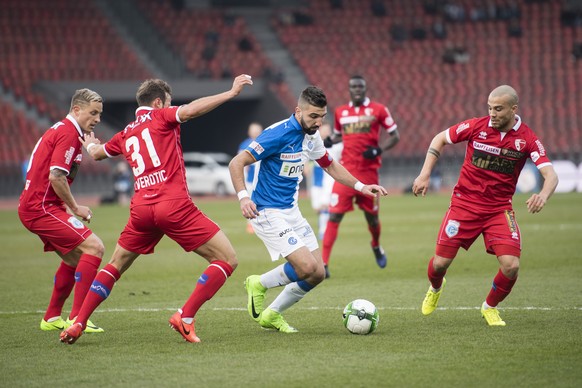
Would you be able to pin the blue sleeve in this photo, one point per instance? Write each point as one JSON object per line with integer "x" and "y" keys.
{"x": 265, "y": 145}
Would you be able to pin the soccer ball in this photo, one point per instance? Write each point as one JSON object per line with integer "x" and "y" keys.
{"x": 361, "y": 317}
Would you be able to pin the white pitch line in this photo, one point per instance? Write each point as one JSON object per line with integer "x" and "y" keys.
{"x": 393, "y": 308}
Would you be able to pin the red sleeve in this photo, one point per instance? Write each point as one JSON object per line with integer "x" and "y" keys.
{"x": 113, "y": 146}
{"x": 169, "y": 115}
{"x": 461, "y": 131}
{"x": 325, "y": 160}
{"x": 537, "y": 152}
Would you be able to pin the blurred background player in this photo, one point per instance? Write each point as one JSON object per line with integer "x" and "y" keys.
{"x": 498, "y": 146}
{"x": 359, "y": 125}
{"x": 252, "y": 170}
{"x": 48, "y": 208}
{"x": 320, "y": 184}
{"x": 161, "y": 204}
{"x": 283, "y": 148}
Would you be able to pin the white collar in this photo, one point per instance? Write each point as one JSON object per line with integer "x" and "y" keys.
{"x": 76, "y": 124}
{"x": 517, "y": 123}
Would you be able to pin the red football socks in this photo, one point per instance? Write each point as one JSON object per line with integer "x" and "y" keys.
{"x": 208, "y": 284}
{"x": 502, "y": 286}
{"x": 100, "y": 290}
{"x": 63, "y": 285}
{"x": 329, "y": 238}
{"x": 84, "y": 275}
{"x": 435, "y": 278}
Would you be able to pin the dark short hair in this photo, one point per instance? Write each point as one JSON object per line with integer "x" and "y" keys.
{"x": 151, "y": 89}
{"x": 357, "y": 76}
{"x": 314, "y": 96}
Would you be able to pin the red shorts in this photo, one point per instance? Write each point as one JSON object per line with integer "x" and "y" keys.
{"x": 58, "y": 230}
{"x": 343, "y": 197}
{"x": 179, "y": 219}
{"x": 460, "y": 228}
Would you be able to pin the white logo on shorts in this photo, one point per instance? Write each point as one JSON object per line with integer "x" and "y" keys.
{"x": 75, "y": 222}
{"x": 452, "y": 228}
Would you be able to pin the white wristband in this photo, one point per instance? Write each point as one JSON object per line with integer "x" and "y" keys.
{"x": 242, "y": 194}
{"x": 359, "y": 186}
{"x": 91, "y": 145}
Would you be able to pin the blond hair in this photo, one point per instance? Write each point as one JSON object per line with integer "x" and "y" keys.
{"x": 84, "y": 97}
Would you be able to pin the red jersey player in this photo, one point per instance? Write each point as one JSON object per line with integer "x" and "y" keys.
{"x": 161, "y": 204}
{"x": 359, "y": 125}
{"x": 43, "y": 207}
{"x": 498, "y": 146}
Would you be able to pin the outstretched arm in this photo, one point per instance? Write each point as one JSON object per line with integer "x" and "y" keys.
{"x": 204, "y": 105}
{"x": 421, "y": 183}
{"x": 343, "y": 176}
{"x": 93, "y": 146}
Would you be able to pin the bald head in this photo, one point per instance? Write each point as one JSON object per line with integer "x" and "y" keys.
{"x": 502, "y": 105}
{"x": 505, "y": 90}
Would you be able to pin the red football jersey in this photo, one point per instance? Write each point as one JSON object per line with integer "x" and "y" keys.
{"x": 360, "y": 129}
{"x": 151, "y": 145}
{"x": 60, "y": 148}
{"x": 493, "y": 162}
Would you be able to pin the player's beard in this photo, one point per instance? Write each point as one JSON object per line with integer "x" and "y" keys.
{"x": 502, "y": 125}
{"x": 308, "y": 130}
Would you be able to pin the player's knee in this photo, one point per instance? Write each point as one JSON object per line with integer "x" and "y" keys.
{"x": 94, "y": 246}
{"x": 441, "y": 263}
{"x": 232, "y": 261}
{"x": 318, "y": 276}
{"x": 306, "y": 270}
{"x": 510, "y": 268}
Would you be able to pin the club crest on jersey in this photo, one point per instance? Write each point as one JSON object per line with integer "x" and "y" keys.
{"x": 519, "y": 144}
{"x": 75, "y": 222}
{"x": 452, "y": 228}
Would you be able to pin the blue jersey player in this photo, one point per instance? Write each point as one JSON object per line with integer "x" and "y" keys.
{"x": 283, "y": 149}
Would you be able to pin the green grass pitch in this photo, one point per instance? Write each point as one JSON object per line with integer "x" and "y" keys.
{"x": 541, "y": 345}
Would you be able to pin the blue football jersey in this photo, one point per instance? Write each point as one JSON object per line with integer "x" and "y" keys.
{"x": 283, "y": 148}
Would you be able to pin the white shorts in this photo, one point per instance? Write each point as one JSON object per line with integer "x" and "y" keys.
{"x": 283, "y": 231}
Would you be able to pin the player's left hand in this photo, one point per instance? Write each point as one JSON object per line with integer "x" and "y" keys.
{"x": 89, "y": 138}
{"x": 535, "y": 203}
{"x": 374, "y": 191}
{"x": 372, "y": 152}
{"x": 239, "y": 83}
{"x": 248, "y": 208}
